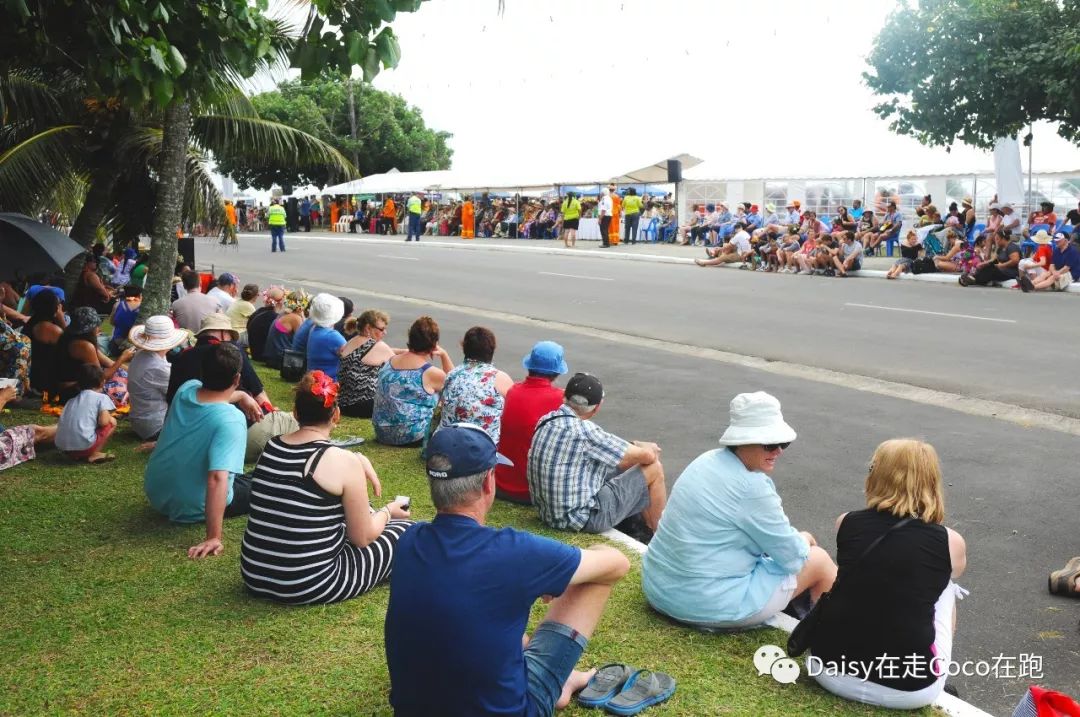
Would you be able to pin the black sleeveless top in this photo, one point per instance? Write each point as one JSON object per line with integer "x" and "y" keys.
{"x": 886, "y": 607}
{"x": 42, "y": 359}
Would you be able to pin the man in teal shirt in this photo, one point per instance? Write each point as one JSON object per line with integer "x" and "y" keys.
{"x": 195, "y": 471}
{"x": 414, "y": 207}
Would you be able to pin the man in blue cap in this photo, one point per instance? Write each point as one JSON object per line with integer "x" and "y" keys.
{"x": 526, "y": 402}
{"x": 461, "y": 593}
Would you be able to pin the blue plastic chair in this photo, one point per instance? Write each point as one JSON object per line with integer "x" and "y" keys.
{"x": 650, "y": 230}
{"x": 1027, "y": 247}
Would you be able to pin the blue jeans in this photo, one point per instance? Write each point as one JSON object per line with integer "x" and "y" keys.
{"x": 551, "y": 655}
{"x": 277, "y": 238}
{"x": 414, "y": 227}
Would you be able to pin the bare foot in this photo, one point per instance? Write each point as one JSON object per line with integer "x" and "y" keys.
{"x": 146, "y": 447}
{"x": 699, "y": 262}
{"x": 100, "y": 457}
{"x": 575, "y": 683}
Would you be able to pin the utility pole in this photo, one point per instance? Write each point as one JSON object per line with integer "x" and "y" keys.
{"x": 352, "y": 125}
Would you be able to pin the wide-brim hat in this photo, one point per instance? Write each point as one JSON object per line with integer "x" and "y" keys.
{"x": 1041, "y": 237}
{"x": 770, "y": 207}
{"x": 326, "y": 310}
{"x": 755, "y": 418}
{"x": 546, "y": 357}
{"x": 157, "y": 334}
{"x": 218, "y": 321}
{"x": 968, "y": 201}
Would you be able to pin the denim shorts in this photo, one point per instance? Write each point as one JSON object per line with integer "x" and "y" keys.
{"x": 551, "y": 655}
{"x": 621, "y": 497}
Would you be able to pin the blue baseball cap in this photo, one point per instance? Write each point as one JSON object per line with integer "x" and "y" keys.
{"x": 546, "y": 357}
{"x": 461, "y": 449}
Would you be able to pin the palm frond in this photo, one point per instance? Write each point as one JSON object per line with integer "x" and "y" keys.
{"x": 259, "y": 140}
{"x": 202, "y": 199}
{"x": 29, "y": 96}
{"x": 31, "y": 169}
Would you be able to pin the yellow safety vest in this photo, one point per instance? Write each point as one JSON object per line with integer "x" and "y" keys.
{"x": 275, "y": 215}
{"x": 571, "y": 209}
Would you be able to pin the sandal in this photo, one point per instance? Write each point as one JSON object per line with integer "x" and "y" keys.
{"x": 104, "y": 459}
{"x": 643, "y": 689}
{"x": 604, "y": 685}
{"x": 1063, "y": 582}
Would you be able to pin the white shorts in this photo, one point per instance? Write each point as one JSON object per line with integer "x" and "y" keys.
{"x": 871, "y": 693}
{"x": 776, "y": 602}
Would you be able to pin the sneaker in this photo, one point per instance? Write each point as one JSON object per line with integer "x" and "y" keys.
{"x": 829, "y": 272}
{"x": 1026, "y": 284}
{"x": 966, "y": 280}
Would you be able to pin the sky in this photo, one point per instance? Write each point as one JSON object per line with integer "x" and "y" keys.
{"x": 579, "y": 89}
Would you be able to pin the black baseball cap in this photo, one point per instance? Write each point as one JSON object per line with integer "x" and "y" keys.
{"x": 584, "y": 390}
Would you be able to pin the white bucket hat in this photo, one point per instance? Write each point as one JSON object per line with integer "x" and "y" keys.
{"x": 157, "y": 334}
{"x": 326, "y": 310}
{"x": 755, "y": 418}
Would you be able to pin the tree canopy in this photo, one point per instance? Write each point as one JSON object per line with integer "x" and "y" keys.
{"x": 976, "y": 70}
{"x": 389, "y": 133}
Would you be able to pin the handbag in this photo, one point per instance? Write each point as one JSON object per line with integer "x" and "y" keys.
{"x": 803, "y": 634}
{"x": 293, "y": 365}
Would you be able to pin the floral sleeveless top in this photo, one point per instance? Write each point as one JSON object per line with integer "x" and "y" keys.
{"x": 403, "y": 407}
{"x": 470, "y": 396}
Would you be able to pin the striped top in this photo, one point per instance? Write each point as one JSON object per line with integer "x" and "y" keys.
{"x": 294, "y": 547}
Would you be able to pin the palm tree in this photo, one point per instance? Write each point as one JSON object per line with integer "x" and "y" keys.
{"x": 59, "y": 148}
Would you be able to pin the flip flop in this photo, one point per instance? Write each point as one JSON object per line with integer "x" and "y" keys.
{"x": 1063, "y": 582}
{"x": 643, "y": 689}
{"x": 604, "y": 685}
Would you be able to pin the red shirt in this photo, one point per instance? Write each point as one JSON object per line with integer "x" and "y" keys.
{"x": 526, "y": 402}
{"x": 1044, "y": 250}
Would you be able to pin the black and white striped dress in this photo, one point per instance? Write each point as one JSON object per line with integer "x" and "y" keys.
{"x": 295, "y": 548}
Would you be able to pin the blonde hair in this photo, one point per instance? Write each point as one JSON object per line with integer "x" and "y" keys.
{"x": 905, "y": 480}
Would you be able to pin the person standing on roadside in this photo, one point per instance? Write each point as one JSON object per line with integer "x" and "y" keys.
{"x": 571, "y": 214}
{"x": 603, "y": 210}
{"x": 229, "y": 235}
{"x": 616, "y": 212}
{"x": 305, "y": 214}
{"x": 632, "y": 208}
{"x": 468, "y": 219}
{"x": 275, "y": 219}
{"x": 414, "y": 207}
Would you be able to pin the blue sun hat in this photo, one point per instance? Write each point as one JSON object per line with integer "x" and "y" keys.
{"x": 546, "y": 357}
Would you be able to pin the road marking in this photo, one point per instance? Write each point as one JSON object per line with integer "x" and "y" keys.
{"x": 399, "y": 258}
{"x": 575, "y": 276}
{"x": 932, "y": 313}
{"x": 1025, "y": 417}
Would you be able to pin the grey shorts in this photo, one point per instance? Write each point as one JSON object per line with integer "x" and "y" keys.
{"x": 622, "y": 496}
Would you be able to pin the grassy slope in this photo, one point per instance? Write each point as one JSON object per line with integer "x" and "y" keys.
{"x": 103, "y": 613}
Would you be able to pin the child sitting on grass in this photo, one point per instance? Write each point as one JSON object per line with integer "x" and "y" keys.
{"x": 87, "y": 422}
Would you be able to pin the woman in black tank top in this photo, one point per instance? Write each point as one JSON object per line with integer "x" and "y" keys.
{"x": 898, "y": 600}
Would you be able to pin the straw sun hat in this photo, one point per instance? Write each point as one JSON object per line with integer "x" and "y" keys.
{"x": 157, "y": 334}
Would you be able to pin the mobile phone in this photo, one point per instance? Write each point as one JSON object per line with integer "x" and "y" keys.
{"x": 403, "y": 500}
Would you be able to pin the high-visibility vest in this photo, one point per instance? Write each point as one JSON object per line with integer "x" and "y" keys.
{"x": 275, "y": 215}
{"x": 571, "y": 209}
{"x": 414, "y": 204}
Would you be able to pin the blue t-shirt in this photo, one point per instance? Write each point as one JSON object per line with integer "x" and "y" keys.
{"x": 322, "y": 350}
{"x": 123, "y": 320}
{"x": 197, "y": 438}
{"x": 299, "y": 342}
{"x": 856, "y": 214}
{"x": 1070, "y": 258}
{"x": 460, "y": 596}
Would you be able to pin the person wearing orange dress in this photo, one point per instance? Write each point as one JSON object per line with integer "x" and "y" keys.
{"x": 616, "y": 211}
{"x": 335, "y": 211}
{"x": 468, "y": 220}
{"x": 389, "y": 214}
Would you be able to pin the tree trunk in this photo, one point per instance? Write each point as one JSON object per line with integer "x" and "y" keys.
{"x": 84, "y": 230}
{"x": 168, "y": 210}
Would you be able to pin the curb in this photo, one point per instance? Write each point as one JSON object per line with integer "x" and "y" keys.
{"x": 946, "y": 703}
{"x": 597, "y": 253}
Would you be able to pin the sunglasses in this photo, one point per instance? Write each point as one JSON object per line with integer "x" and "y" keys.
{"x": 770, "y": 447}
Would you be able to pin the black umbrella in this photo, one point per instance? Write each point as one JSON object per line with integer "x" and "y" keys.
{"x": 27, "y": 246}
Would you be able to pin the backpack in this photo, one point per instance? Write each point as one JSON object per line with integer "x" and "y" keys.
{"x": 923, "y": 265}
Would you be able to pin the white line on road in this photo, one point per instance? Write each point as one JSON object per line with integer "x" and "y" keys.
{"x": 575, "y": 276}
{"x": 400, "y": 258}
{"x": 932, "y": 313}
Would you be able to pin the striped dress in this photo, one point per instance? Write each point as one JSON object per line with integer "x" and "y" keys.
{"x": 295, "y": 548}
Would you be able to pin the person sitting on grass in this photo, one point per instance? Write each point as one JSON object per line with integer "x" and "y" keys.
{"x": 149, "y": 373}
{"x": 259, "y": 323}
{"x": 469, "y": 589}
{"x": 475, "y": 391}
{"x": 849, "y": 256}
{"x": 86, "y": 422}
{"x": 583, "y": 478}
{"x": 283, "y": 329}
{"x": 241, "y": 310}
{"x": 725, "y": 555}
{"x": 17, "y": 444}
{"x": 526, "y": 403}
{"x": 901, "y": 599}
{"x": 312, "y": 536}
{"x": 324, "y": 342}
{"x": 195, "y": 473}
{"x": 736, "y": 249}
{"x": 910, "y": 249}
{"x": 1064, "y": 266}
{"x": 408, "y": 386}
{"x": 215, "y": 329}
{"x": 124, "y": 315}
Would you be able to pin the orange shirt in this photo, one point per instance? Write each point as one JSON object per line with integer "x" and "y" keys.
{"x": 388, "y": 209}
{"x": 230, "y": 214}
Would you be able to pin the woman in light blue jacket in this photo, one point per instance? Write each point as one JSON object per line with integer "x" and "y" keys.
{"x": 725, "y": 555}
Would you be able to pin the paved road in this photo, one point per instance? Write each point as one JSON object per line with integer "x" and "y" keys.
{"x": 1010, "y": 490}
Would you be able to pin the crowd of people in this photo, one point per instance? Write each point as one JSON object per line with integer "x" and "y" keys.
{"x": 722, "y": 555}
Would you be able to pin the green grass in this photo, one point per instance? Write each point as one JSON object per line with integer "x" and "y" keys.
{"x": 104, "y": 614}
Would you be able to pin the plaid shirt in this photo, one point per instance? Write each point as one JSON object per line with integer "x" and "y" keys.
{"x": 569, "y": 462}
